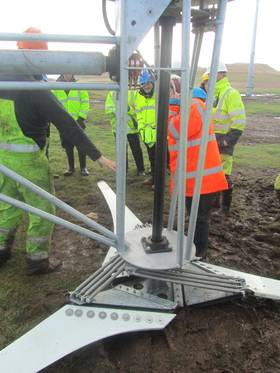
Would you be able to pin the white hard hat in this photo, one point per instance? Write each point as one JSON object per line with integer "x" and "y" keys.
{"x": 222, "y": 68}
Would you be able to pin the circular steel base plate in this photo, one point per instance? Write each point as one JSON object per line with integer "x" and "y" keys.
{"x": 136, "y": 255}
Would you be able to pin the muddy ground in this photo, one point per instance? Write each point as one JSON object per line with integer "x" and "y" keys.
{"x": 232, "y": 337}
{"x": 236, "y": 336}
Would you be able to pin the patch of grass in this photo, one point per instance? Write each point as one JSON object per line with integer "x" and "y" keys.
{"x": 258, "y": 156}
{"x": 263, "y": 108}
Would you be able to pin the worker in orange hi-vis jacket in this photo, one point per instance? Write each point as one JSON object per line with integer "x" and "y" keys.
{"x": 213, "y": 180}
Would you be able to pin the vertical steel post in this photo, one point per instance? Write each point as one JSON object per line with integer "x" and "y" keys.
{"x": 206, "y": 121}
{"x": 199, "y": 32}
{"x": 121, "y": 130}
{"x": 157, "y": 62}
{"x": 196, "y": 52}
{"x": 173, "y": 204}
{"x": 185, "y": 110}
{"x": 167, "y": 24}
{"x": 250, "y": 78}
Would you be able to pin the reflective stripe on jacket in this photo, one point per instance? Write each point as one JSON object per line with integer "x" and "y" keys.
{"x": 213, "y": 176}
{"x": 76, "y": 102}
{"x": 110, "y": 110}
{"x": 229, "y": 112}
{"x": 145, "y": 110}
{"x": 12, "y": 138}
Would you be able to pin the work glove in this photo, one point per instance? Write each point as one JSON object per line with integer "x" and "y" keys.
{"x": 222, "y": 143}
{"x": 81, "y": 122}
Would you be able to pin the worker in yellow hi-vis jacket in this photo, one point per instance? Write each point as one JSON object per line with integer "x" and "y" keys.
{"x": 132, "y": 128}
{"x": 76, "y": 102}
{"x": 229, "y": 119}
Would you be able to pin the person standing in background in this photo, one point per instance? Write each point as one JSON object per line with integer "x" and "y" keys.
{"x": 229, "y": 119}
{"x": 132, "y": 128}
{"x": 213, "y": 180}
{"x": 76, "y": 102}
{"x": 145, "y": 109}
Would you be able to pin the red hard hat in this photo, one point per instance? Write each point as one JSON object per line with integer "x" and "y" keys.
{"x": 28, "y": 44}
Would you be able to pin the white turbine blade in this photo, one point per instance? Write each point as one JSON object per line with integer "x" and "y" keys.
{"x": 131, "y": 220}
{"x": 71, "y": 328}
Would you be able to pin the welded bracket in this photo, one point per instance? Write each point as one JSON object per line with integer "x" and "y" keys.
{"x": 140, "y": 17}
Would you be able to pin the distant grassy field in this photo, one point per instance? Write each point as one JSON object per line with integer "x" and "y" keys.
{"x": 266, "y": 79}
{"x": 264, "y": 108}
{"x": 257, "y": 156}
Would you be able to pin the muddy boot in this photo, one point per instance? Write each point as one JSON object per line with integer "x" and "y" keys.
{"x": 226, "y": 201}
{"x": 84, "y": 172}
{"x": 70, "y": 157}
{"x": 40, "y": 266}
{"x": 83, "y": 166}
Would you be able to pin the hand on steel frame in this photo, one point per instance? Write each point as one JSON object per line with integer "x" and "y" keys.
{"x": 103, "y": 161}
{"x": 81, "y": 122}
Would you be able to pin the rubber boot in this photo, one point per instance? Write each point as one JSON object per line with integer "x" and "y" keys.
{"x": 71, "y": 164}
{"x": 82, "y": 159}
{"x": 226, "y": 201}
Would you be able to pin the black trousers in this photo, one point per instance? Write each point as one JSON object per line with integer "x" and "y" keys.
{"x": 136, "y": 150}
{"x": 152, "y": 158}
{"x": 202, "y": 224}
{"x": 70, "y": 154}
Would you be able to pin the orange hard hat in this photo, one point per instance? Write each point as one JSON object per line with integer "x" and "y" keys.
{"x": 28, "y": 44}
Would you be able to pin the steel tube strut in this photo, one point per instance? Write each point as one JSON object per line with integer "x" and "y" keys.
{"x": 45, "y": 86}
{"x": 59, "y": 38}
{"x": 57, "y": 202}
{"x": 56, "y": 220}
{"x": 196, "y": 52}
{"x": 206, "y": 122}
{"x": 199, "y": 32}
{"x": 250, "y": 78}
{"x": 184, "y": 119}
{"x": 121, "y": 131}
{"x": 52, "y": 62}
{"x": 167, "y": 24}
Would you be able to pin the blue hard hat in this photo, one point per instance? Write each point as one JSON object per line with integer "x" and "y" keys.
{"x": 145, "y": 77}
{"x": 199, "y": 93}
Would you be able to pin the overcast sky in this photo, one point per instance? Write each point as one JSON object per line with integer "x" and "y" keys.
{"x": 85, "y": 17}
